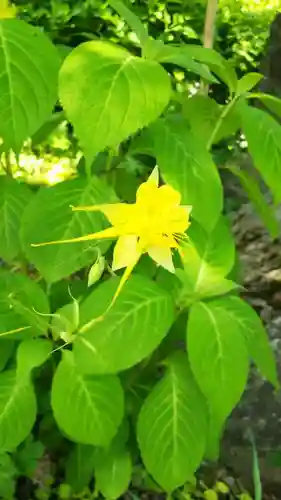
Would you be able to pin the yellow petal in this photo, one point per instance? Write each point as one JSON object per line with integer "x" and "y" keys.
{"x": 168, "y": 196}
{"x": 110, "y": 232}
{"x": 154, "y": 176}
{"x": 126, "y": 251}
{"x": 162, "y": 257}
{"x": 116, "y": 213}
{"x": 146, "y": 194}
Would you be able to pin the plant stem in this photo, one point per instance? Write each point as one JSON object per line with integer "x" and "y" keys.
{"x": 209, "y": 32}
{"x": 219, "y": 123}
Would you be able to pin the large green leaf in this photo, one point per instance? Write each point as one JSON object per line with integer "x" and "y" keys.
{"x": 207, "y": 259}
{"x": 255, "y": 334}
{"x": 172, "y": 426}
{"x": 130, "y": 331}
{"x": 22, "y": 303}
{"x": 113, "y": 470}
{"x": 187, "y": 166}
{"x": 125, "y": 94}
{"x": 218, "y": 355}
{"x": 14, "y": 197}
{"x": 29, "y": 66}
{"x": 49, "y": 217}
{"x": 88, "y": 409}
{"x": 79, "y": 467}
{"x": 31, "y": 354}
{"x": 17, "y": 410}
{"x": 203, "y": 113}
{"x": 263, "y": 134}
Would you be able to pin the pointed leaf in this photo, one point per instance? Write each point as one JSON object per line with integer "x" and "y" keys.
{"x": 22, "y": 303}
{"x": 177, "y": 55}
{"x": 31, "y": 354}
{"x": 196, "y": 176}
{"x": 14, "y": 197}
{"x": 29, "y": 66}
{"x": 252, "y": 329}
{"x": 264, "y": 210}
{"x": 218, "y": 355}
{"x": 131, "y": 19}
{"x": 49, "y": 217}
{"x": 263, "y": 134}
{"x": 17, "y": 410}
{"x": 203, "y": 113}
{"x": 207, "y": 259}
{"x": 80, "y": 467}
{"x": 126, "y": 93}
{"x": 247, "y": 82}
{"x": 113, "y": 470}
{"x": 88, "y": 409}
{"x": 130, "y": 331}
{"x": 172, "y": 426}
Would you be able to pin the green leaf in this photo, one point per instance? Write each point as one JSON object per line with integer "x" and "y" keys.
{"x": 8, "y": 474}
{"x": 17, "y": 410}
{"x": 130, "y": 331}
{"x": 270, "y": 101}
{"x": 28, "y": 455}
{"x": 196, "y": 176}
{"x": 252, "y": 329}
{"x": 263, "y": 134}
{"x": 80, "y": 467}
{"x": 49, "y": 217}
{"x": 172, "y": 426}
{"x": 113, "y": 470}
{"x": 207, "y": 259}
{"x": 203, "y": 113}
{"x": 6, "y": 350}
{"x": 88, "y": 409}
{"x": 131, "y": 19}
{"x": 126, "y": 93}
{"x": 203, "y": 55}
{"x": 22, "y": 303}
{"x": 177, "y": 55}
{"x": 29, "y": 66}
{"x": 14, "y": 197}
{"x": 218, "y": 355}
{"x": 47, "y": 128}
{"x": 247, "y": 82}
{"x": 31, "y": 354}
{"x": 266, "y": 212}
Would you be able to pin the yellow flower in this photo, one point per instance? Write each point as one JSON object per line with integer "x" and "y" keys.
{"x": 155, "y": 224}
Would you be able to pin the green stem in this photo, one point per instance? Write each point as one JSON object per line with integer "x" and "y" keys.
{"x": 8, "y": 165}
{"x": 219, "y": 123}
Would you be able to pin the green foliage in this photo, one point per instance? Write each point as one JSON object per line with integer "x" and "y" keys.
{"x": 90, "y": 364}
{"x": 26, "y": 56}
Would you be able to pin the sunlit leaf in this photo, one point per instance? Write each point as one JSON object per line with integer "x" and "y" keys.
{"x": 130, "y": 331}
{"x": 49, "y": 217}
{"x": 29, "y": 66}
{"x": 126, "y": 93}
{"x": 88, "y": 409}
{"x": 14, "y": 197}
